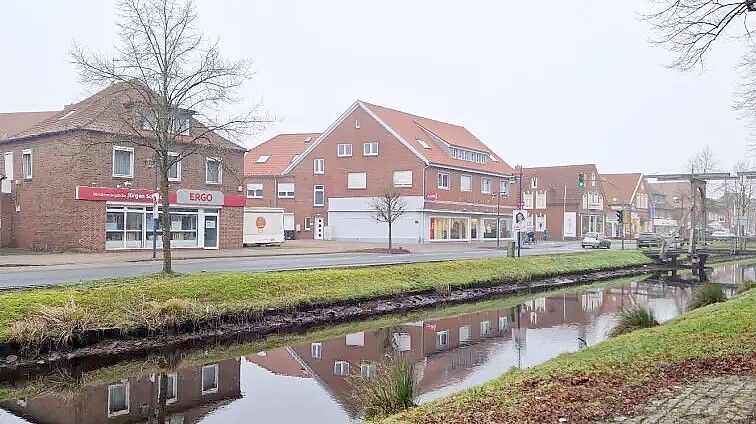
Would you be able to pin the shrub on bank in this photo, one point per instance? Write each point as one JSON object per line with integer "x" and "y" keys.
{"x": 632, "y": 319}
{"x": 390, "y": 390}
{"x": 707, "y": 294}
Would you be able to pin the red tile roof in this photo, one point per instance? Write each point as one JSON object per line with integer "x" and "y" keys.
{"x": 563, "y": 178}
{"x": 14, "y": 122}
{"x": 620, "y": 188}
{"x": 412, "y": 128}
{"x": 280, "y": 150}
{"x": 108, "y": 111}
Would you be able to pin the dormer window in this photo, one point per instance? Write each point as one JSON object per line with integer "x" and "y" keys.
{"x": 180, "y": 122}
{"x": 469, "y": 155}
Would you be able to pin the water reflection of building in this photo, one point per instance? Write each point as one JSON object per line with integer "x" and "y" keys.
{"x": 191, "y": 394}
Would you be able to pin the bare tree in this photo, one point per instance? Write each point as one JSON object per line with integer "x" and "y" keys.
{"x": 689, "y": 28}
{"x": 703, "y": 161}
{"x": 388, "y": 207}
{"x": 178, "y": 85}
{"x": 742, "y": 197}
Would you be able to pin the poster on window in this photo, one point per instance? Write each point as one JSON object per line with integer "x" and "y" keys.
{"x": 570, "y": 221}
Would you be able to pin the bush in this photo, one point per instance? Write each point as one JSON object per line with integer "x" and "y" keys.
{"x": 632, "y": 319}
{"x": 707, "y": 294}
{"x": 391, "y": 390}
{"x": 745, "y": 286}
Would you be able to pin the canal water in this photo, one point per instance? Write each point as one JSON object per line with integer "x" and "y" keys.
{"x": 309, "y": 381}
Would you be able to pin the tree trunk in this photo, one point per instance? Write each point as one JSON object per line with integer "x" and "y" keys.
{"x": 160, "y": 411}
{"x": 165, "y": 218}
{"x": 389, "y": 224}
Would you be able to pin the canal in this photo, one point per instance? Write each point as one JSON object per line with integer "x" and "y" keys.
{"x": 306, "y": 378}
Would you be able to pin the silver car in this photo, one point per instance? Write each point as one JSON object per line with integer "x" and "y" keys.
{"x": 596, "y": 241}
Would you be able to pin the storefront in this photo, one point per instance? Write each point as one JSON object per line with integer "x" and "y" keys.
{"x": 195, "y": 216}
{"x": 465, "y": 228}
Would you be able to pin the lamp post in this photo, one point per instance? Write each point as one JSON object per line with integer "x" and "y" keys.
{"x": 519, "y": 206}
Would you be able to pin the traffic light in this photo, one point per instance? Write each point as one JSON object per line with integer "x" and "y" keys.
{"x": 581, "y": 180}
{"x": 619, "y": 217}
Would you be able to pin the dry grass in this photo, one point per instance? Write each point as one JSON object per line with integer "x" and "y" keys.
{"x": 55, "y": 323}
{"x": 632, "y": 319}
{"x": 391, "y": 390}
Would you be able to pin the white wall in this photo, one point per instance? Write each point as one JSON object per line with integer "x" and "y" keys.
{"x": 351, "y": 218}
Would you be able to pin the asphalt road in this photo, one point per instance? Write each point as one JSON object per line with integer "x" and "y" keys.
{"x": 11, "y": 277}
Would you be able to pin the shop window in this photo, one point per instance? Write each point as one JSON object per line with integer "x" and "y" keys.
{"x": 318, "y": 198}
{"x": 443, "y": 180}
{"x": 474, "y": 228}
{"x": 123, "y": 162}
{"x": 344, "y": 150}
{"x": 448, "y": 228}
{"x": 174, "y": 172}
{"x": 210, "y": 379}
{"x": 356, "y": 180}
{"x": 489, "y": 228}
{"x": 255, "y": 190}
{"x": 442, "y": 339}
{"x": 285, "y": 190}
{"x": 465, "y": 183}
{"x": 370, "y": 149}
{"x": 213, "y": 171}
{"x": 402, "y": 178}
{"x": 26, "y": 164}
{"x": 485, "y": 185}
{"x": 341, "y": 368}
{"x": 131, "y": 227}
{"x": 318, "y": 166}
{"x": 118, "y": 399}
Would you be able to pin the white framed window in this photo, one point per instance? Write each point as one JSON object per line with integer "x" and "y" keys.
{"x": 370, "y": 148}
{"x": 209, "y": 379}
{"x": 402, "y": 178}
{"x": 307, "y": 223}
{"x": 262, "y": 159}
{"x": 355, "y": 339}
{"x": 540, "y": 223}
{"x": 213, "y": 171}
{"x": 402, "y": 342}
{"x": 26, "y": 163}
{"x": 316, "y": 350}
{"x": 318, "y": 166}
{"x": 503, "y": 323}
{"x": 443, "y": 181}
{"x": 368, "y": 370}
{"x": 123, "y": 162}
{"x": 504, "y": 187}
{"x": 442, "y": 339}
{"x": 464, "y": 334}
{"x": 534, "y": 182}
{"x": 171, "y": 386}
{"x": 255, "y": 191}
{"x": 540, "y": 200}
{"x": 527, "y": 199}
{"x": 356, "y": 180}
{"x": 285, "y": 190}
{"x": 118, "y": 399}
{"x": 318, "y": 195}
{"x": 344, "y": 150}
{"x": 465, "y": 183}
{"x": 593, "y": 179}
{"x": 485, "y": 328}
{"x": 174, "y": 172}
{"x": 341, "y": 368}
{"x": 485, "y": 185}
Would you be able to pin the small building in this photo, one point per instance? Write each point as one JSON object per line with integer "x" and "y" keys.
{"x": 627, "y": 193}
{"x": 79, "y": 179}
{"x": 670, "y": 207}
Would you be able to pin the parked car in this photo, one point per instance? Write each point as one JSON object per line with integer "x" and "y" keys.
{"x": 721, "y": 235}
{"x": 596, "y": 241}
{"x": 649, "y": 240}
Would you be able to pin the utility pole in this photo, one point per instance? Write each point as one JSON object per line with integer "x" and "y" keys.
{"x": 519, "y": 206}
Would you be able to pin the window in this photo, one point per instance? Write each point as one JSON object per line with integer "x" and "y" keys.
{"x": 465, "y": 183}
{"x": 307, "y": 223}
{"x": 402, "y": 178}
{"x": 370, "y": 149}
{"x": 294, "y": 158}
{"x": 464, "y": 334}
{"x": 355, "y": 339}
{"x": 448, "y": 228}
{"x": 344, "y": 150}
{"x": 527, "y": 199}
{"x": 368, "y": 370}
{"x": 318, "y": 198}
{"x": 540, "y": 200}
{"x": 356, "y": 180}
{"x": 213, "y": 171}
{"x": 118, "y": 399}
{"x": 174, "y": 172}
{"x": 402, "y": 341}
{"x": 123, "y": 162}
{"x": 318, "y": 166}
{"x": 26, "y": 163}
{"x": 341, "y": 368}
{"x": 469, "y": 155}
{"x": 316, "y": 350}
{"x": 442, "y": 339}
{"x": 255, "y": 190}
{"x": 540, "y": 223}
{"x": 485, "y": 185}
{"x": 285, "y": 190}
{"x": 593, "y": 180}
{"x": 443, "y": 180}
{"x": 504, "y": 188}
{"x": 262, "y": 159}
{"x": 534, "y": 182}
{"x": 130, "y": 227}
{"x": 210, "y": 379}
{"x": 171, "y": 388}
{"x": 503, "y": 324}
{"x": 485, "y": 328}
{"x": 423, "y": 144}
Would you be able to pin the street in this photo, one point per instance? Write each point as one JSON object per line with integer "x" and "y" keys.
{"x": 11, "y": 277}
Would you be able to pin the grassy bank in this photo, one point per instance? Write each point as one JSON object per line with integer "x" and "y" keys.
{"x": 153, "y": 301}
{"x": 612, "y": 377}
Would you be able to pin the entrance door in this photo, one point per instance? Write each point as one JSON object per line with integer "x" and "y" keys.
{"x": 318, "y": 230}
{"x": 211, "y": 231}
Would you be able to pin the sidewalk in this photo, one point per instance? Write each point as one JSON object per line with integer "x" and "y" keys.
{"x": 18, "y": 258}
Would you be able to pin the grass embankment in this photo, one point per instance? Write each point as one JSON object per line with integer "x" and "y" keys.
{"x": 613, "y": 377}
{"x": 153, "y": 301}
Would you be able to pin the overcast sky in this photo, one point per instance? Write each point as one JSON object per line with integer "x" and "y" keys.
{"x": 542, "y": 83}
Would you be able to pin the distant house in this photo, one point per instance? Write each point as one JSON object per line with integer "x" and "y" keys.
{"x": 670, "y": 207}
{"x": 629, "y": 194}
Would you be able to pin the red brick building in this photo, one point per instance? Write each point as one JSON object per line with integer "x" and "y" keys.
{"x": 556, "y": 204}
{"x": 448, "y": 178}
{"x": 78, "y": 179}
